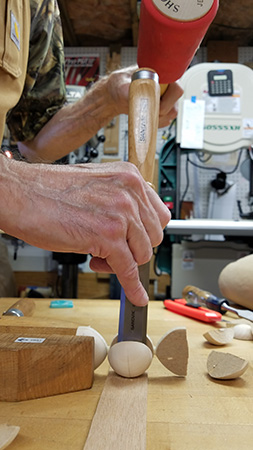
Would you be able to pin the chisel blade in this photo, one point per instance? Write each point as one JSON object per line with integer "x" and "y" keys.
{"x": 243, "y": 313}
{"x": 133, "y": 319}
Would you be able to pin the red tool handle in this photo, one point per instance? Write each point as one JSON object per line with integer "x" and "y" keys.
{"x": 179, "y": 306}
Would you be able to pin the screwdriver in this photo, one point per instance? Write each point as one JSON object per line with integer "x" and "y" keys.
{"x": 197, "y": 297}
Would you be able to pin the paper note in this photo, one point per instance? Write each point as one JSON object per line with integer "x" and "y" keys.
{"x": 248, "y": 128}
{"x": 192, "y": 134}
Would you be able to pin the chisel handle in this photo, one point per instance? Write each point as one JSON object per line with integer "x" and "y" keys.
{"x": 194, "y": 294}
{"x": 144, "y": 101}
{"x": 23, "y": 307}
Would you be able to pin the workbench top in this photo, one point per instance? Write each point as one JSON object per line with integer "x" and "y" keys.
{"x": 192, "y": 413}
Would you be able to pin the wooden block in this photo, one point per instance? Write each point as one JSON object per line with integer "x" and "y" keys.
{"x": 26, "y": 326}
{"x": 37, "y": 325}
{"x": 43, "y": 365}
{"x": 172, "y": 351}
{"x": 225, "y": 366}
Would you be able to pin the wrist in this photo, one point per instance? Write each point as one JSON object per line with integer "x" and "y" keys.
{"x": 99, "y": 103}
{"x": 117, "y": 86}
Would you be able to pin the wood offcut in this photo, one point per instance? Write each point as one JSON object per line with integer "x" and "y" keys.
{"x": 119, "y": 422}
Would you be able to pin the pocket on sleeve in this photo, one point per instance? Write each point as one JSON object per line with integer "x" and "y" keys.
{"x": 15, "y": 39}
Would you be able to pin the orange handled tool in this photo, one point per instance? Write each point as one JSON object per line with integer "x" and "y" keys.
{"x": 180, "y": 306}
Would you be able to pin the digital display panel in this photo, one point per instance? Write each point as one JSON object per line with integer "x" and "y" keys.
{"x": 220, "y": 77}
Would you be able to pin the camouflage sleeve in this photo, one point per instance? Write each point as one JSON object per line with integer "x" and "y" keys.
{"x": 44, "y": 91}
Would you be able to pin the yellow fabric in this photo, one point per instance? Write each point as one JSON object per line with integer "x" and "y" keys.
{"x": 14, "y": 48}
{"x": 44, "y": 90}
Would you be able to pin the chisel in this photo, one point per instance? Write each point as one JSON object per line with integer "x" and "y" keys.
{"x": 196, "y": 296}
{"x": 23, "y": 307}
{"x": 144, "y": 100}
{"x": 169, "y": 36}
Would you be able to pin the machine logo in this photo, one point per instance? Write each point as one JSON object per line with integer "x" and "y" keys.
{"x": 222, "y": 127}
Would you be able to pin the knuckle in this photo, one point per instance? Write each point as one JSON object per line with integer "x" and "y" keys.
{"x": 131, "y": 174}
{"x": 146, "y": 256}
{"x": 158, "y": 239}
{"x": 131, "y": 272}
{"x": 123, "y": 201}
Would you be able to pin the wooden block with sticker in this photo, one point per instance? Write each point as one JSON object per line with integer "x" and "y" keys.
{"x": 34, "y": 366}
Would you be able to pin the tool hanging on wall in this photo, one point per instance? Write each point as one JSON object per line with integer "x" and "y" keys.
{"x": 111, "y": 130}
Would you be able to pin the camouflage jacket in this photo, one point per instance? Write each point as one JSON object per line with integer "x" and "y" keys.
{"x": 44, "y": 91}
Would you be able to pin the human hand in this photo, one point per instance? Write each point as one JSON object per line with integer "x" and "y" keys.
{"x": 107, "y": 210}
{"x": 118, "y": 87}
{"x": 137, "y": 230}
{"x": 168, "y": 104}
{"x": 76, "y": 123}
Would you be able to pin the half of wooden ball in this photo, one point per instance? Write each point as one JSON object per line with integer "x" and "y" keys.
{"x": 172, "y": 351}
{"x": 130, "y": 359}
{"x": 100, "y": 345}
{"x": 225, "y": 366}
{"x": 220, "y": 336}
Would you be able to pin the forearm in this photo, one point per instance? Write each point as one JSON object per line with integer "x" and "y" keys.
{"x": 75, "y": 124}
{"x": 12, "y": 196}
{"x": 72, "y": 126}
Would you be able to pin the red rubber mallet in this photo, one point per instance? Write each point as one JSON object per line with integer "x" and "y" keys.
{"x": 170, "y": 34}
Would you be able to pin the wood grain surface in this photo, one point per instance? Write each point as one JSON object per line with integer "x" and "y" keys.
{"x": 120, "y": 418}
{"x": 193, "y": 413}
{"x": 40, "y": 365}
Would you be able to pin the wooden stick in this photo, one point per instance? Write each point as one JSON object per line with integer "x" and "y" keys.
{"x": 119, "y": 422}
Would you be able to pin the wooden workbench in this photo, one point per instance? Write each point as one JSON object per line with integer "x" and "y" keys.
{"x": 192, "y": 413}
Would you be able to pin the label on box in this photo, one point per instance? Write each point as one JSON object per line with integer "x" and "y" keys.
{"x": 30, "y": 340}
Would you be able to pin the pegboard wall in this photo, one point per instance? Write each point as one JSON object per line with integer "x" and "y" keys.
{"x": 195, "y": 181}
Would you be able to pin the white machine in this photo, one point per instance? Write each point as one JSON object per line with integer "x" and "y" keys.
{"x": 215, "y": 115}
{"x": 216, "y": 110}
